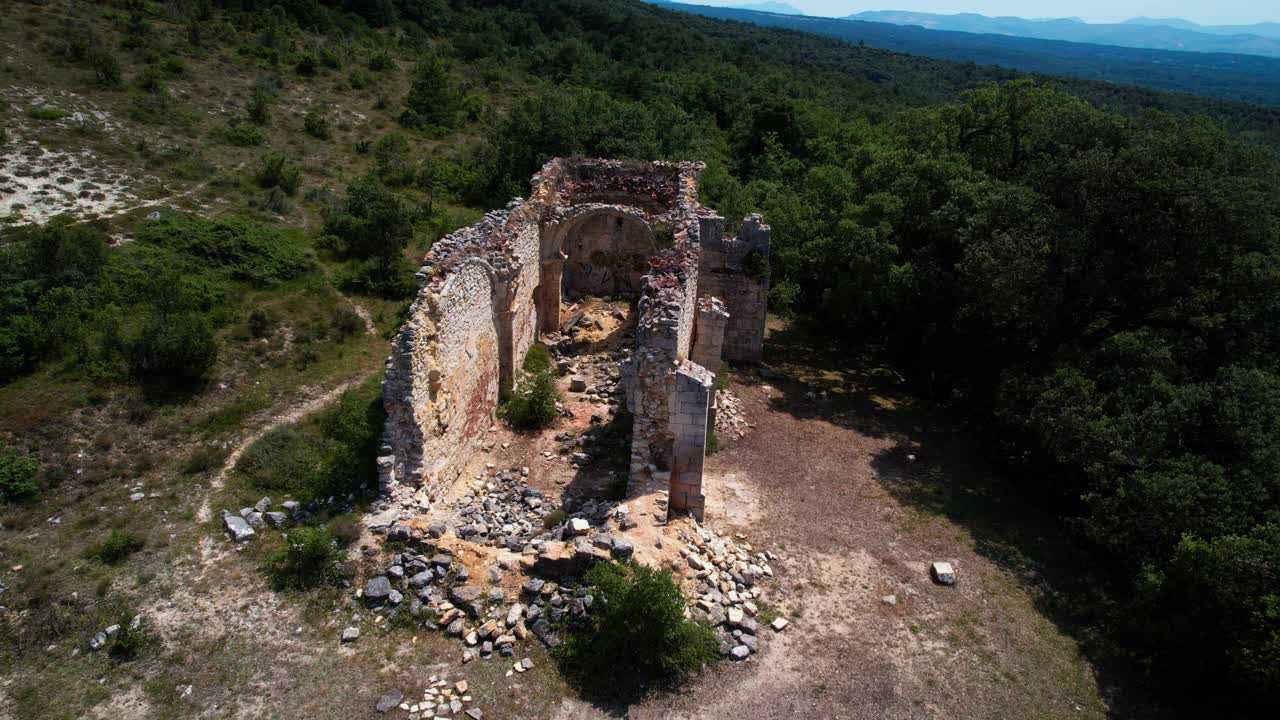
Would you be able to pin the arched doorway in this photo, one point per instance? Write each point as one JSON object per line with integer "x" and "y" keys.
{"x": 606, "y": 254}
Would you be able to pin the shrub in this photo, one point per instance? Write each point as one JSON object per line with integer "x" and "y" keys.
{"x": 276, "y": 171}
{"x": 17, "y": 474}
{"x": 203, "y": 459}
{"x": 308, "y": 559}
{"x": 333, "y": 457}
{"x": 243, "y": 134}
{"x": 316, "y": 126}
{"x": 259, "y": 323}
{"x": 106, "y": 68}
{"x": 380, "y": 61}
{"x": 259, "y": 109}
{"x": 307, "y": 65}
{"x": 119, "y": 545}
{"x": 347, "y": 322}
{"x": 245, "y": 249}
{"x": 533, "y": 405}
{"x": 433, "y": 101}
{"x": 174, "y": 347}
{"x": 538, "y": 359}
{"x": 129, "y": 642}
{"x": 636, "y": 634}
{"x": 46, "y": 113}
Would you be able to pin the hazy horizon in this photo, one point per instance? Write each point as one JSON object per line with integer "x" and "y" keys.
{"x": 1224, "y": 12}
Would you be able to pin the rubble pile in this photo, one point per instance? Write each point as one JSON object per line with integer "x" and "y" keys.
{"x": 726, "y": 578}
{"x": 731, "y": 422}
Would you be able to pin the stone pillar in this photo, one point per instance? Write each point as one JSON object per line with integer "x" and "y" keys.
{"x": 708, "y": 334}
{"x": 551, "y": 282}
{"x": 694, "y": 388}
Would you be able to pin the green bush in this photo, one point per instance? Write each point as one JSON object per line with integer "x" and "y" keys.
{"x": 308, "y": 65}
{"x": 243, "y": 134}
{"x": 373, "y": 229}
{"x": 433, "y": 100}
{"x": 17, "y": 474}
{"x": 239, "y": 246}
{"x": 636, "y": 634}
{"x": 129, "y": 642}
{"x": 120, "y": 544}
{"x": 276, "y": 171}
{"x": 316, "y": 126}
{"x": 380, "y": 61}
{"x": 259, "y": 323}
{"x": 532, "y": 405}
{"x": 174, "y": 347}
{"x": 538, "y": 360}
{"x": 308, "y": 559}
{"x": 259, "y": 109}
{"x": 106, "y": 68}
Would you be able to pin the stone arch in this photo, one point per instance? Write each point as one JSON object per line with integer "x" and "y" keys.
{"x": 603, "y": 249}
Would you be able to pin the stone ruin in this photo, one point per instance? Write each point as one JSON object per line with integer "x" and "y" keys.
{"x": 598, "y": 227}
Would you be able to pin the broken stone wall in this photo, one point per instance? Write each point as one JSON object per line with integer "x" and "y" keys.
{"x": 736, "y": 270}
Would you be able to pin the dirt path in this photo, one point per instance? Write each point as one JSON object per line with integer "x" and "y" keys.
{"x": 294, "y": 414}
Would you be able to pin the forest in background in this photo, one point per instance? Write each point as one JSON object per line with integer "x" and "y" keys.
{"x": 1092, "y": 272}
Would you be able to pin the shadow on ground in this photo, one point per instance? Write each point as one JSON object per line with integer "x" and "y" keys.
{"x": 938, "y": 466}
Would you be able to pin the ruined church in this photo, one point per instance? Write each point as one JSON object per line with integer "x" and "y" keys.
{"x": 588, "y": 227}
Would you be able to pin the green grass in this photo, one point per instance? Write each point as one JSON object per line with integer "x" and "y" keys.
{"x": 46, "y": 114}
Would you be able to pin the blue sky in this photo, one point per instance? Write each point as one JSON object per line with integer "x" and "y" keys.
{"x": 1205, "y": 12}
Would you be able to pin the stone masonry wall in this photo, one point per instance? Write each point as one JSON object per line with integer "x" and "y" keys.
{"x": 486, "y": 291}
{"x": 736, "y": 270}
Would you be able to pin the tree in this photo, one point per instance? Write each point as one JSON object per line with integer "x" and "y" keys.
{"x": 433, "y": 100}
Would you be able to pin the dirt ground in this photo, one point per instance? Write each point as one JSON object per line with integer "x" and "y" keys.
{"x": 856, "y": 490}
{"x": 843, "y": 488}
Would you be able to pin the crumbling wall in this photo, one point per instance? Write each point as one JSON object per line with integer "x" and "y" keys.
{"x": 442, "y": 378}
{"x": 486, "y": 291}
{"x": 736, "y": 270}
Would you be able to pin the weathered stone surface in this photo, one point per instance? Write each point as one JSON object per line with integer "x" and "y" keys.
{"x": 943, "y": 573}
{"x": 237, "y": 528}
{"x": 389, "y": 700}
{"x": 350, "y": 634}
{"x": 377, "y": 589}
{"x": 740, "y": 652}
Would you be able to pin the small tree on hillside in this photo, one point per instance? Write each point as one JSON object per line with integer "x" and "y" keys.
{"x": 433, "y": 100}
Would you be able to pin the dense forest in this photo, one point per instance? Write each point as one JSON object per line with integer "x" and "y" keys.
{"x": 1250, "y": 78}
{"x": 1092, "y": 272}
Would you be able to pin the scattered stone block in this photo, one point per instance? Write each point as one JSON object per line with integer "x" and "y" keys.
{"x": 943, "y": 573}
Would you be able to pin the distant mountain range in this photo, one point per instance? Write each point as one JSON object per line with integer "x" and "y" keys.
{"x": 778, "y": 8}
{"x": 1159, "y": 34}
{"x": 1246, "y": 77}
{"x": 1266, "y": 29}
{"x": 769, "y": 7}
